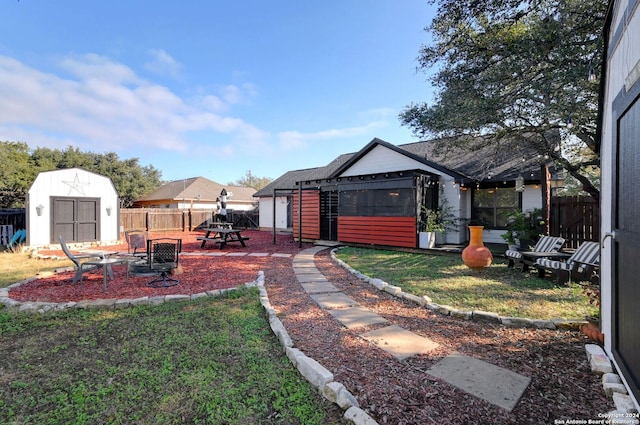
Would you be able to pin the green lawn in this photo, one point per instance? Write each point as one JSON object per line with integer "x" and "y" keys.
{"x": 18, "y": 266}
{"x": 445, "y": 279}
{"x": 210, "y": 361}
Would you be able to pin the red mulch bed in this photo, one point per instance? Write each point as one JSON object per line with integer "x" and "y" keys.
{"x": 201, "y": 272}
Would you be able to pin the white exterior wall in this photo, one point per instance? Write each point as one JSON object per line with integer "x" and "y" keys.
{"x": 266, "y": 213}
{"x": 456, "y": 200}
{"x": 72, "y": 182}
{"x": 623, "y": 68}
{"x": 381, "y": 160}
{"x": 531, "y": 197}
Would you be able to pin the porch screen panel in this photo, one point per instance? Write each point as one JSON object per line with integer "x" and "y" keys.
{"x": 378, "y": 202}
{"x": 381, "y": 216}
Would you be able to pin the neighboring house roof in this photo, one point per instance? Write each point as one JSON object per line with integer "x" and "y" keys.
{"x": 197, "y": 189}
{"x": 466, "y": 162}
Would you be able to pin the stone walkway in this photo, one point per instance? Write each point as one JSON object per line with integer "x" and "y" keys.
{"x": 491, "y": 383}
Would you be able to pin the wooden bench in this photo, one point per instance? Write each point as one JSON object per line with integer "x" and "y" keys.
{"x": 203, "y": 238}
{"x": 241, "y": 240}
{"x": 222, "y": 242}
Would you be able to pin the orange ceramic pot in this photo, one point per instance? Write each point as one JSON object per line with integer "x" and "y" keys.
{"x": 476, "y": 255}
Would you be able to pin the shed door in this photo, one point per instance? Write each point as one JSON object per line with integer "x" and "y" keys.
{"x": 626, "y": 338}
{"x": 76, "y": 219}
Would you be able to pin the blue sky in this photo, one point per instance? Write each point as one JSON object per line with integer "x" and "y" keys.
{"x": 211, "y": 88}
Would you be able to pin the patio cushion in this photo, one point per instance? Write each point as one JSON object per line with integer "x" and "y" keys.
{"x": 510, "y": 253}
{"x": 545, "y": 244}
{"x": 549, "y": 244}
{"x": 552, "y": 264}
{"x": 580, "y": 263}
{"x": 589, "y": 252}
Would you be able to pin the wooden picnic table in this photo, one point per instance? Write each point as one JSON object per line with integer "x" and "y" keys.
{"x": 222, "y": 236}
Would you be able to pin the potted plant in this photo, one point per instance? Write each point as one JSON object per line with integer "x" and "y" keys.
{"x": 524, "y": 228}
{"x": 447, "y": 218}
{"x": 429, "y": 224}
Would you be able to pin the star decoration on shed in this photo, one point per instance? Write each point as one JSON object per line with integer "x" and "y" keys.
{"x": 76, "y": 185}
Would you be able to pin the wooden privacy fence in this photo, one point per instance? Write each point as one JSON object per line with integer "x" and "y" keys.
{"x": 575, "y": 218}
{"x": 167, "y": 219}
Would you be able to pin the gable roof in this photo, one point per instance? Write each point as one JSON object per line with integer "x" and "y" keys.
{"x": 198, "y": 189}
{"x": 472, "y": 161}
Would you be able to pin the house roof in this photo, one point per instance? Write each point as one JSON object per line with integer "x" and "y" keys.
{"x": 472, "y": 161}
{"x": 198, "y": 189}
{"x": 481, "y": 162}
{"x": 289, "y": 179}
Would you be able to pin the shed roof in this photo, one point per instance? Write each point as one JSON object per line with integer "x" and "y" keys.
{"x": 198, "y": 189}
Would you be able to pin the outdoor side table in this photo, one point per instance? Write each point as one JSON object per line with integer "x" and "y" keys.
{"x": 106, "y": 264}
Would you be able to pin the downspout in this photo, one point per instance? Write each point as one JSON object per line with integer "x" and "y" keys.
{"x": 300, "y": 214}
{"x": 274, "y": 215}
{"x": 546, "y": 195}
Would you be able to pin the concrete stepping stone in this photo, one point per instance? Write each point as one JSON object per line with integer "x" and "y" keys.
{"x": 494, "y": 384}
{"x": 334, "y": 300}
{"x": 237, "y": 254}
{"x": 313, "y": 250}
{"x": 281, "y": 255}
{"x": 259, "y": 254}
{"x": 319, "y": 287}
{"x": 399, "y": 342}
{"x": 304, "y": 265}
{"x": 310, "y": 277}
{"x": 356, "y": 317}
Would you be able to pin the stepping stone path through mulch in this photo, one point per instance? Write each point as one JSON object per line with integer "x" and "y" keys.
{"x": 491, "y": 383}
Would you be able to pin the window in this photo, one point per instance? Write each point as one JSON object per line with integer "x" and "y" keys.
{"x": 491, "y": 207}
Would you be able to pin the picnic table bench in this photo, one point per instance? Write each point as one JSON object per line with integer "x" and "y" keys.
{"x": 222, "y": 236}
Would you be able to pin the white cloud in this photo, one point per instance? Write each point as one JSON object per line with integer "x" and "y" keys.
{"x": 242, "y": 94}
{"x": 95, "y": 67}
{"x": 295, "y": 140}
{"x": 105, "y": 103}
{"x": 163, "y": 63}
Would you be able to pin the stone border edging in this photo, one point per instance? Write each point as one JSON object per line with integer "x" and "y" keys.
{"x": 611, "y": 384}
{"x": 316, "y": 374}
{"x": 44, "y": 307}
{"x": 474, "y": 315}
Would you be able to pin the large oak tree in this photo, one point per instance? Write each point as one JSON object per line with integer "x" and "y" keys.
{"x": 524, "y": 69}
